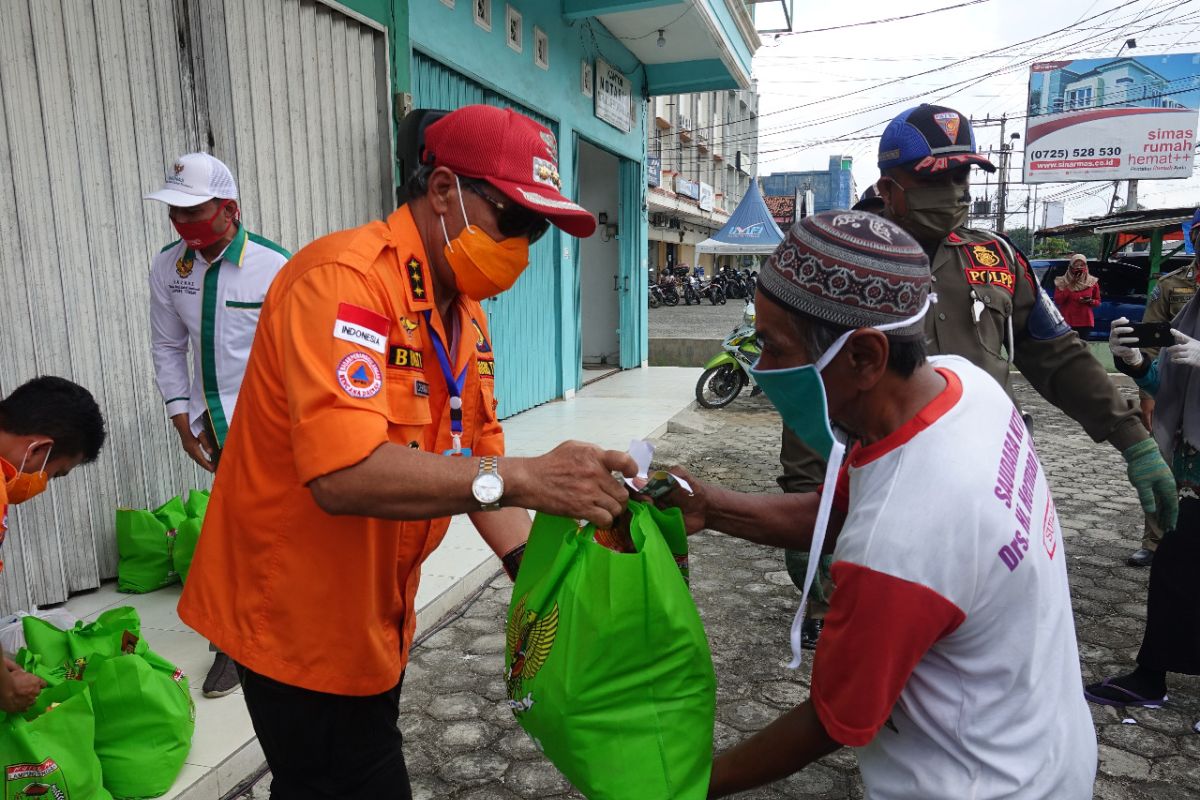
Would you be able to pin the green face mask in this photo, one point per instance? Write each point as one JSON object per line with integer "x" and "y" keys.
{"x": 933, "y": 211}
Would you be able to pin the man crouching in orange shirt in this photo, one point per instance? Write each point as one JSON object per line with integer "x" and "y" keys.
{"x": 366, "y": 419}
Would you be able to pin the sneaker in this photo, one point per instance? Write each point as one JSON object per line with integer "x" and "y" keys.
{"x": 810, "y": 632}
{"x": 222, "y": 678}
{"x": 1141, "y": 558}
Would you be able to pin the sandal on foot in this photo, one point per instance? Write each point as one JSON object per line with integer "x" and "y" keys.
{"x": 1119, "y": 695}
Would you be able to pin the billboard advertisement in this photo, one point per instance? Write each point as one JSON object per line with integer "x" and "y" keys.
{"x": 1112, "y": 118}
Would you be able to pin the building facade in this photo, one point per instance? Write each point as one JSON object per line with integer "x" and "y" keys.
{"x": 301, "y": 99}
{"x": 586, "y": 69}
{"x": 831, "y": 188}
{"x": 702, "y": 154}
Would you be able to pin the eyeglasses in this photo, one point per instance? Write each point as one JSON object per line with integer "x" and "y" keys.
{"x": 512, "y": 219}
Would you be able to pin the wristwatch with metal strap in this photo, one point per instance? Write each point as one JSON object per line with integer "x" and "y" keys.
{"x": 488, "y": 486}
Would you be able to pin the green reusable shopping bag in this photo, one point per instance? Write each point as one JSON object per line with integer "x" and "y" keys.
{"x": 145, "y": 541}
{"x": 70, "y": 649}
{"x": 143, "y": 709}
{"x": 33, "y": 664}
{"x": 187, "y": 535}
{"x": 607, "y": 665}
{"x": 47, "y": 751}
{"x": 145, "y": 719}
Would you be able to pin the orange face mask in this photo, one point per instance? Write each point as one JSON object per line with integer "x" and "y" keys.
{"x": 482, "y": 266}
{"x": 25, "y": 485}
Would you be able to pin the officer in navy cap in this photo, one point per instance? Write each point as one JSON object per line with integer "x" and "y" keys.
{"x": 990, "y": 309}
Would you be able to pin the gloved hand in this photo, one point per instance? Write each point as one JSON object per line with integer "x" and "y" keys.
{"x": 1120, "y": 337}
{"x": 1152, "y": 479}
{"x": 1187, "y": 351}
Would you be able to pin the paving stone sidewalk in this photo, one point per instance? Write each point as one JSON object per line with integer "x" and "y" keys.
{"x": 463, "y": 744}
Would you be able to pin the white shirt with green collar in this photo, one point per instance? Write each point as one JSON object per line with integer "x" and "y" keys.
{"x": 213, "y": 309}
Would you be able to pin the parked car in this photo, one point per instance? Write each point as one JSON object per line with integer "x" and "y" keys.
{"x": 1122, "y": 289}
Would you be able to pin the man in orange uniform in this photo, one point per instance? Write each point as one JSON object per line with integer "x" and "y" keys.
{"x": 48, "y": 426}
{"x": 366, "y": 419}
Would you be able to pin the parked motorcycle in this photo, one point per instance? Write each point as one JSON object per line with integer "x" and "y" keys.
{"x": 655, "y": 298}
{"x": 713, "y": 291}
{"x": 728, "y": 372}
{"x": 691, "y": 293}
{"x": 731, "y": 283}
{"x": 667, "y": 290}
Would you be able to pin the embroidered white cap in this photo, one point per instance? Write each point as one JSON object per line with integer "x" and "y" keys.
{"x": 194, "y": 179}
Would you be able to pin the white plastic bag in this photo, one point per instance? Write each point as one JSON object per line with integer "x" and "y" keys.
{"x": 12, "y": 632}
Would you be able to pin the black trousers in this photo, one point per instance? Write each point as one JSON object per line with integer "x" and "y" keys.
{"x": 326, "y": 746}
{"x": 1172, "y": 639}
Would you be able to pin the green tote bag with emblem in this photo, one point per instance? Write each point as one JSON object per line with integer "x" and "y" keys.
{"x": 607, "y": 665}
{"x": 47, "y": 751}
{"x": 146, "y": 544}
{"x": 144, "y": 713}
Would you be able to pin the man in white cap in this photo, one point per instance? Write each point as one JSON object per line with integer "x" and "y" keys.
{"x": 206, "y": 290}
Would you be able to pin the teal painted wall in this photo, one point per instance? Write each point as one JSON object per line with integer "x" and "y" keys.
{"x": 392, "y": 14}
{"x": 725, "y": 22}
{"x": 451, "y": 36}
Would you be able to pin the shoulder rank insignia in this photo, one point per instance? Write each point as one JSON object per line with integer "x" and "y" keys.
{"x": 416, "y": 278}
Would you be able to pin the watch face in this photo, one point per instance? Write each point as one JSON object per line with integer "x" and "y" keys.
{"x": 487, "y": 488}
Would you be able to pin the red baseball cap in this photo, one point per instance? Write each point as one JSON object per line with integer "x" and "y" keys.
{"x": 511, "y": 152}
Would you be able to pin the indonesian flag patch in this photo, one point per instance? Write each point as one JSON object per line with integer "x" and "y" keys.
{"x": 362, "y": 326}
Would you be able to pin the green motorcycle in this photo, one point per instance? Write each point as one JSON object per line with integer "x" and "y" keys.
{"x": 728, "y": 372}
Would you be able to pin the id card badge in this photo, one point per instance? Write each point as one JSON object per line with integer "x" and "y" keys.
{"x": 457, "y": 449}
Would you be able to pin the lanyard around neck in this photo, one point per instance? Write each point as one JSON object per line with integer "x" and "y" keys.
{"x": 454, "y": 387}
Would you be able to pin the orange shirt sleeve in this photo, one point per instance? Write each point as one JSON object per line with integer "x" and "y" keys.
{"x": 332, "y": 338}
{"x": 490, "y": 438}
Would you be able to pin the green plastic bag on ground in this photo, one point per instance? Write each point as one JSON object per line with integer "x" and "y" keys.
{"x": 34, "y": 665}
{"x": 145, "y": 720}
{"x": 145, "y": 542}
{"x": 47, "y": 751}
{"x": 187, "y": 535}
{"x": 607, "y": 664}
{"x": 144, "y": 714}
{"x": 109, "y": 635}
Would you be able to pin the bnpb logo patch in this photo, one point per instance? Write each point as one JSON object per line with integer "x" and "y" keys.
{"x": 359, "y": 376}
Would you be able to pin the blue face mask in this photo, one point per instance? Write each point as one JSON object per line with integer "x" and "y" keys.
{"x": 799, "y": 395}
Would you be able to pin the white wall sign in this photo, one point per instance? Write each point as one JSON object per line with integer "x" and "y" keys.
{"x": 686, "y": 188}
{"x": 585, "y": 78}
{"x": 512, "y": 28}
{"x": 706, "y": 197}
{"x": 541, "y": 48}
{"x": 614, "y": 96}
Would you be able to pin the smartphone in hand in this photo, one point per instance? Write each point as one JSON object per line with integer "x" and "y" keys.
{"x": 1151, "y": 335}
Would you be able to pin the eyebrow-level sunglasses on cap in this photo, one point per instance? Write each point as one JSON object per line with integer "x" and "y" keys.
{"x": 512, "y": 219}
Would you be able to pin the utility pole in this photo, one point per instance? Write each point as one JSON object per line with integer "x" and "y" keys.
{"x": 1002, "y": 181}
{"x": 1131, "y": 203}
{"x": 1006, "y": 148}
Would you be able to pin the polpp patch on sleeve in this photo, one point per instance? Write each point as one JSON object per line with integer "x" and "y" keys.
{"x": 987, "y": 264}
{"x": 362, "y": 326}
{"x": 1045, "y": 320}
{"x": 359, "y": 376}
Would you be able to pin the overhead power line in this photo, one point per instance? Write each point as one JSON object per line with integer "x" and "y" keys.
{"x": 886, "y": 19}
